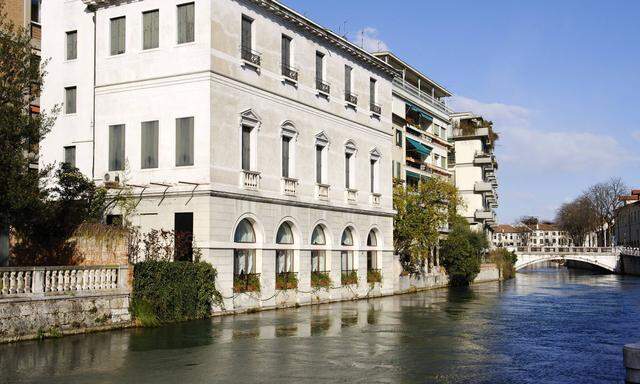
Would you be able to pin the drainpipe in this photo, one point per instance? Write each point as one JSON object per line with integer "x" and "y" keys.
{"x": 93, "y": 117}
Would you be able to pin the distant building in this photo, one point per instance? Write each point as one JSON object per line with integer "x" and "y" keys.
{"x": 627, "y": 227}
{"x": 505, "y": 235}
{"x": 549, "y": 235}
{"x": 474, "y": 169}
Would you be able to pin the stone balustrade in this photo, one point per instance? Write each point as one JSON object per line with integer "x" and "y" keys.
{"x": 34, "y": 281}
{"x": 562, "y": 250}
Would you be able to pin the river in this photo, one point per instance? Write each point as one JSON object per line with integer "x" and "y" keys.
{"x": 548, "y": 325}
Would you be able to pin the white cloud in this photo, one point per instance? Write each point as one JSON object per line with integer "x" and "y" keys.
{"x": 367, "y": 38}
{"x": 532, "y": 150}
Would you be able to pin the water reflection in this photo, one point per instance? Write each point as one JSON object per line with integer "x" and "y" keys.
{"x": 548, "y": 325}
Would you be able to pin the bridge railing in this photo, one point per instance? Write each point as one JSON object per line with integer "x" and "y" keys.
{"x": 629, "y": 251}
{"x": 566, "y": 250}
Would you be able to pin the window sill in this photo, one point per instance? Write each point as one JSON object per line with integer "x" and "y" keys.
{"x": 323, "y": 95}
{"x": 185, "y": 44}
{"x": 150, "y": 50}
{"x": 351, "y": 105}
{"x": 71, "y": 60}
{"x": 117, "y": 56}
{"x": 290, "y": 81}
{"x": 250, "y": 65}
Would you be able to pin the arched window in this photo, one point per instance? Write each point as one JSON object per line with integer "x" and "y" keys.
{"x": 372, "y": 254}
{"x": 347, "y": 260}
{"x": 244, "y": 259}
{"x": 284, "y": 257}
{"x": 318, "y": 256}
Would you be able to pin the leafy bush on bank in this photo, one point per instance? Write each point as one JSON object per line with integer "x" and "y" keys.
{"x": 165, "y": 291}
{"x": 505, "y": 261}
{"x": 462, "y": 253}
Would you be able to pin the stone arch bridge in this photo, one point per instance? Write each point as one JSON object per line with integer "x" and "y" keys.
{"x": 604, "y": 257}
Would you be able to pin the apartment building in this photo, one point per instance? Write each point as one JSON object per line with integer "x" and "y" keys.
{"x": 548, "y": 234}
{"x": 474, "y": 167}
{"x": 240, "y": 122}
{"x": 421, "y": 124}
{"x": 627, "y": 221}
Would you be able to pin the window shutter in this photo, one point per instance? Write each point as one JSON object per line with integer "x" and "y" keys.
{"x": 372, "y": 91}
{"x": 246, "y": 33}
{"x": 72, "y": 45}
{"x": 318, "y": 164}
{"x": 246, "y": 148}
{"x": 285, "y": 156}
{"x": 70, "y": 100}
{"x": 347, "y": 79}
{"x": 186, "y": 23}
{"x": 151, "y": 29}
{"x": 286, "y": 51}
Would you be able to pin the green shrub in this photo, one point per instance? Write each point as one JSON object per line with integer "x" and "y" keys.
{"x": 165, "y": 291}
{"x": 286, "y": 280}
{"x": 349, "y": 278}
{"x": 246, "y": 283}
{"x": 320, "y": 280}
{"x": 374, "y": 276}
{"x": 505, "y": 261}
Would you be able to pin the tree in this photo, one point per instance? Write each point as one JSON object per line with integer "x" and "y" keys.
{"x": 529, "y": 220}
{"x": 578, "y": 218}
{"x": 20, "y": 130}
{"x": 462, "y": 252}
{"x": 604, "y": 198}
{"x": 65, "y": 201}
{"x": 421, "y": 212}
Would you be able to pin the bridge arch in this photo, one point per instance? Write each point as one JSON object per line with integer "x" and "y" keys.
{"x": 583, "y": 259}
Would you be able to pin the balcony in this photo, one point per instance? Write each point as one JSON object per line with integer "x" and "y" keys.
{"x": 414, "y": 91}
{"x": 482, "y": 158}
{"x": 290, "y": 73}
{"x": 482, "y": 186}
{"x": 323, "y": 87}
{"x": 250, "y": 56}
{"x": 375, "y": 109}
{"x": 470, "y": 132}
{"x": 250, "y": 180}
{"x": 352, "y": 195}
{"x": 351, "y": 98}
{"x": 322, "y": 191}
{"x": 376, "y": 198}
{"x": 484, "y": 215}
{"x": 289, "y": 186}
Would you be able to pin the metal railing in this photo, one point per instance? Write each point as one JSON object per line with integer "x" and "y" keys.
{"x": 351, "y": 98}
{"x": 323, "y": 86}
{"x": 251, "y": 56}
{"x": 290, "y": 72}
{"x": 413, "y": 90}
{"x": 375, "y": 108}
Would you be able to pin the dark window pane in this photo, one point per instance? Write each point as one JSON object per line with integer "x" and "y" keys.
{"x": 149, "y": 144}
{"x": 285, "y": 156}
{"x": 184, "y": 141}
{"x": 246, "y": 148}
{"x": 151, "y": 29}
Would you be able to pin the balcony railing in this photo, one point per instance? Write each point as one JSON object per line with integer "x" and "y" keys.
{"x": 322, "y": 191}
{"x": 351, "y": 98}
{"x": 484, "y": 215}
{"x": 413, "y": 90}
{"x": 289, "y": 186}
{"x": 481, "y": 186}
{"x": 290, "y": 72}
{"x": 250, "y": 179}
{"x": 376, "y": 109}
{"x": 251, "y": 56}
{"x": 286, "y": 280}
{"x": 352, "y": 194}
{"x": 323, "y": 86}
{"x": 375, "y": 199}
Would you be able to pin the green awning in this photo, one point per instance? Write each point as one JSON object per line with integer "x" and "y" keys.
{"x": 413, "y": 174}
{"x": 419, "y": 111}
{"x": 421, "y": 148}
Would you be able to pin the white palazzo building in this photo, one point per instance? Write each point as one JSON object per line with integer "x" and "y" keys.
{"x": 264, "y": 135}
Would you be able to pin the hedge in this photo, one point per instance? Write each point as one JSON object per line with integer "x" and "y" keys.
{"x": 166, "y": 291}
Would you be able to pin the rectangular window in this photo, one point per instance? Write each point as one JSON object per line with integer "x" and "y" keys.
{"x": 186, "y": 23}
{"x": 319, "y": 67}
{"x": 285, "y": 156}
{"x": 70, "y": 155}
{"x": 372, "y": 174}
{"x": 347, "y": 170}
{"x": 118, "y": 33}
{"x": 347, "y": 79}
{"x": 72, "y": 45}
{"x": 184, "y": 141}
{"x": 70, "y": 94}
{"x": 399, "y": 138}
{"x": 116, "y": 147}
{"x": 246, "y": 148}
{"x": 150, "y": 29}
{"x": 246, "y": 34}
{"x": 35, "y": 10}
{"x": 286, "y": 52}
{"x": 372, "y": 91}
{"x": 149, "y": 140}
{"x": 319, "y": 149}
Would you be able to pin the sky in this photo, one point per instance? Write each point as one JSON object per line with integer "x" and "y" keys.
{"x": 559, "y": 79}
